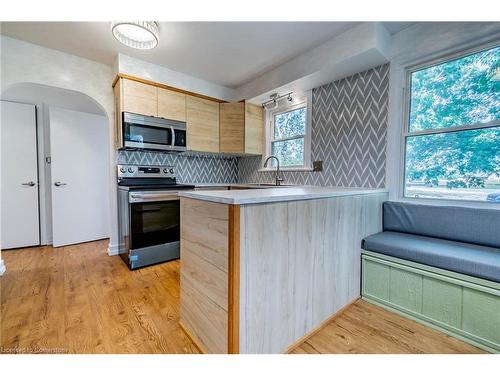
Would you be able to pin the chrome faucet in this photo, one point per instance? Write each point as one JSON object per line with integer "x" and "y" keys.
{"x": 279, "y": 180}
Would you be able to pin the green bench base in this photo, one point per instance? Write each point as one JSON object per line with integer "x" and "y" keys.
{"x": 461, "y": 306}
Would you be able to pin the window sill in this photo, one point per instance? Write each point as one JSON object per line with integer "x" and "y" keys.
{"x": 291, "y": 169}
{"x": 451, "y": 202}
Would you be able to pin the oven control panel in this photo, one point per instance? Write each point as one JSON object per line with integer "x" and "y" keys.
{"x": 145, "y": 171}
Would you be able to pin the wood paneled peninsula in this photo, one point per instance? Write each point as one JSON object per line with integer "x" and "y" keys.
{"x": 263, "y": 269}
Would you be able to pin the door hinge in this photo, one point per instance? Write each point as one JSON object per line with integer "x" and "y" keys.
{"x": 48, "y": 159}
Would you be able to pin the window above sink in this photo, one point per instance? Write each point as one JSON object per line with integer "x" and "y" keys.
{"x": 288, "y": 134}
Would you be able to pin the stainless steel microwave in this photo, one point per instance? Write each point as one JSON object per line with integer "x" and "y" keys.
{"x": 152, "y": 133}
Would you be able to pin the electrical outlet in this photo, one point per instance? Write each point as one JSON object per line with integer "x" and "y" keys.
{"x": 317, "y": 166}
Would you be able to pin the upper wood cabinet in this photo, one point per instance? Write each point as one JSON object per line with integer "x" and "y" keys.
{"x": 202, "y": 117}
{"x": 139, "y": 98}
{"x": 254, "y": 129}
{"x": 118, "y": 114}
{"x": 232, "y": 127}
{"x": 241, "y": 128}
{"x": 236, "y": 128}
{"x": 171, "y": 104}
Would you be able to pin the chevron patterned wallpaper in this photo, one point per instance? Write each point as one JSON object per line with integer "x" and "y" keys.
{"x": 349, "y": 125}
{"x": 191, "y": 168}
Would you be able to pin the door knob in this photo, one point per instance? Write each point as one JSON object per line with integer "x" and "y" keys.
{"x": 57, "y": 183}
{"x": 31, "y": 183}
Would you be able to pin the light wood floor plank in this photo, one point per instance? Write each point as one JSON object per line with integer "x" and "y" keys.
{"x": 77, "y": 299}
{"x": 365, "y": 328}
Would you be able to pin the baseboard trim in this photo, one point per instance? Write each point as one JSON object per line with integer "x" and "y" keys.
{"x": 318, "y": 328}
{"x": 191, "y": 337}
{"x": 113, "y": 249}
{"x": 2, "y": 267}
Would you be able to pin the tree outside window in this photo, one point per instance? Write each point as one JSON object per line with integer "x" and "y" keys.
{"x": 452, "y": 140}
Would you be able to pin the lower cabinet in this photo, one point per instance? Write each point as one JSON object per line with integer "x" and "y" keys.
{"x": 460, "y": 305}
{"x": 204, "y": 298}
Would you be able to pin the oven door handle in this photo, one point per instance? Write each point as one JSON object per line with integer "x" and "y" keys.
{"x": 153, "y": 197}
{"x": 142, "y": 210}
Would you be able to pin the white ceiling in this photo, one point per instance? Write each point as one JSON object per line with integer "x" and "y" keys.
{"x": 226, "y": 53}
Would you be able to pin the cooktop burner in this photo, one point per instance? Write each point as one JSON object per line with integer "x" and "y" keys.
{"x": 151, "y": 177}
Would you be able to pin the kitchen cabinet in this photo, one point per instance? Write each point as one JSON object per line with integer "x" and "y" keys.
{"x": 232, "y": 127}
{"x": 241, "y": 128}
{"x": 202, "y": 118}
{"x": 118, "y": 114}
{"x": 254, "y": 129}
{"x": 255, "y": 274}
{"x": 171, "y": 104}
{"x": 139, "y": 98}
{"x": 236, "y": 128}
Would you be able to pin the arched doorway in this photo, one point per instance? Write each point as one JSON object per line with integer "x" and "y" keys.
{"x": 73, "y": 150}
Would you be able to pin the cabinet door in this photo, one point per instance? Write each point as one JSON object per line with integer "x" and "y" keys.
{"x": 254, "y": 129}
{"x": 232, "y": 127}
{"x": 118, "y": 114}
{"x": 171, "y": 105}
{"x": 139, "y": 98}
{"x": 202, "y": 124}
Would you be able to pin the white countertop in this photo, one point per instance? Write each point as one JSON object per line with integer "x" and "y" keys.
{"x": 238, "y": 185}
{"x": 280, "y": 194}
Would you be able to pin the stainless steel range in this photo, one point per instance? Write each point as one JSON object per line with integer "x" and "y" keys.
{"x": 148, "y": 214}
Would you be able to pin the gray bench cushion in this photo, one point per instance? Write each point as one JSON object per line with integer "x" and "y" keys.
{"x": 469, "y": 259}
{"x": 473, "y": 225}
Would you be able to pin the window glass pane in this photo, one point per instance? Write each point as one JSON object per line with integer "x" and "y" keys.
{"x": 455, "y": 165}
{"x": 460, "y": 92}
{"x": 290, "y": 153}
{"x": 289, "y": 124}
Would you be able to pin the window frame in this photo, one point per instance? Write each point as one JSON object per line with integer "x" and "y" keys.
{"x": 405, "y": 130}
{"x": 303, "y": 101}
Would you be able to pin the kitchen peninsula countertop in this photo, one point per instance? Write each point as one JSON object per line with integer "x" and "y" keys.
{"x": 274, "y": 194}
{"x": 262, "y": 267}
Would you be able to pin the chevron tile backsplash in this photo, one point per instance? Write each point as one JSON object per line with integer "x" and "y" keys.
{"x": 191, "y": 168}
{"x": 349, "y": 125}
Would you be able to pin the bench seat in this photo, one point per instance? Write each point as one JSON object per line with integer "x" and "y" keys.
{"x": 470, "y": 259}
{"x": 439, "y": 265}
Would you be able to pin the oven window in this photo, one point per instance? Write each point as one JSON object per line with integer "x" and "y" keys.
{"x": 154, "y": 223}
{"x": 147, "y": 134}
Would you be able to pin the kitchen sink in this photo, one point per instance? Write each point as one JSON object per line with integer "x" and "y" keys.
{"x": 272, "y": 185}
{"x": 260, "y": 186}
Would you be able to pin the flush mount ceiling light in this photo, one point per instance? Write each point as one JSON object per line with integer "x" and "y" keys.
{"x": 136, "y": 34}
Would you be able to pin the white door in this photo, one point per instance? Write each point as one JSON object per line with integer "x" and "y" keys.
{"x": 19, "y": 183}
{"x": 80, "y": 176}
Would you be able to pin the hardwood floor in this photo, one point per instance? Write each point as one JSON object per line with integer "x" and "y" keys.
{"x": 369, "y": 329}
{"x": 77, "y": 299}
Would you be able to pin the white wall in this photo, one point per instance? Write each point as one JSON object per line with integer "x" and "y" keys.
{"x": 358, "y": 49}
{"x": 138, "y": 68}
{"x": 415, "y": 45}
{"x": 23, "y": 62}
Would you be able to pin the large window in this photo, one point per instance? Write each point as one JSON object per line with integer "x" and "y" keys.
{"x": 288, "y": 135}
{"x": 452, "y": 136}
